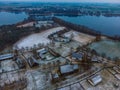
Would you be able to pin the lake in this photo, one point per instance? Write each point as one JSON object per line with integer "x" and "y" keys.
{"x": 106, "y": 25}
{"x": 7, "y": 18}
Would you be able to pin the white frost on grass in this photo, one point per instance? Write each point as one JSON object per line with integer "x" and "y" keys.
{"x": 37, "y": 80}
{"x": 80, "y": 37}
{"x": 33, "y": 39}
{"x": 8, "y": 65}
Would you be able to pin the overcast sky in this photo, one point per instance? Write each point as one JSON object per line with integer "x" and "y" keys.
{"x": 109, "y": 1}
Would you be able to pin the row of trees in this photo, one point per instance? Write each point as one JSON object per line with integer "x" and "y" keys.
{"x": 78, "y": 28}
{"x": 10, "y": 34}
{"x": 83, "y": 29}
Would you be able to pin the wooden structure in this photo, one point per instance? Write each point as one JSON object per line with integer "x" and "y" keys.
{"x": 6, "y": 56}
{"x": 95, "y": 80}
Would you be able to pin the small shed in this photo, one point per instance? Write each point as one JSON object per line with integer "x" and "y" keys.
{"x": 94, "y": 59}
{"x": 95, "y": 80}
{"x": 77, "y": 56}
{"x": 117, "y": 76}
{"x": 55, "y": 76}
{"x": 20, "y": 63}
{"x": 32, "y": 62}
{"x": 42, "y": 51}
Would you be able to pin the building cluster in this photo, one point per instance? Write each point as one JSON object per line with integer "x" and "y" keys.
{"x": 62, "y": 59}
{"x": 40, "y": 24}
{"x": 115, "y": 71}
{"x": 59, "y": 37}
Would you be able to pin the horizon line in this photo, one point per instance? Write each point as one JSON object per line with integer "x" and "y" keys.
{"x": 60, "y": 2}
{"x": 7, "y": 1}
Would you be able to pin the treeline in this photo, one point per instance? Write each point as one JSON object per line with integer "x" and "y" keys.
{"x": 83, "y": 29}
{"x": 10, "y": 34}
{"x": 59, "y": 33}
{"x": 25, "y": 21}
{"x": 78, "y": 28}
{"x": 116, "y": 37}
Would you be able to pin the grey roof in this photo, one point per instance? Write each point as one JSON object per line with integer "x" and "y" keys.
{"x": 42, "y": 51}
{"x": 20, "y": 63}
{"x": 95, "y": 59}
{"x": 42, "y": 56}
{"x": 77, "y": 55}
{"x": 32, "y": 62}
{"x": 117, "y": 76}
{"x": 68, "y": 68}
{"x": 95, "y": 80}
{"x": 55, "y": 75}
{"x": 6, "y": 56}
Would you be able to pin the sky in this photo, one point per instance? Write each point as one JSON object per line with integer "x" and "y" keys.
{"x": 101, "y": 1}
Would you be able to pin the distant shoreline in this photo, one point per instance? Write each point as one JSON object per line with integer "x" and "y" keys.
{"x": 83, "y": 29}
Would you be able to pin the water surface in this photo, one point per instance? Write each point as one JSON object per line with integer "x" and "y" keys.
{"x": 7, "y": 18}
{"x": 106, "y": 25}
